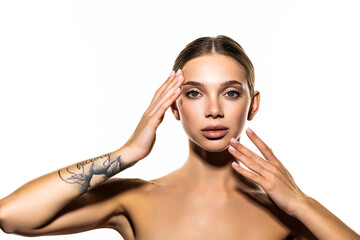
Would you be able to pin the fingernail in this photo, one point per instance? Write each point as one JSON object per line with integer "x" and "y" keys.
{"x": 181, "y": 76}
{"x": 172, "y": 73}
{"x": 177, "y": 91}
{"x": 249, "y": 131}
{"x": 178, "y": 71}
{"x": 235, "y": 165}
{"x": 232, "y": 149}
{"x": 233, "y": 141}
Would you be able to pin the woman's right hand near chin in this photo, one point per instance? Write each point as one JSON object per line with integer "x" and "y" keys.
{"x": 142, "y": 140}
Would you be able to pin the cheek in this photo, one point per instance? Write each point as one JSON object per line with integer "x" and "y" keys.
{"x": 237, "y": 116}
{"x": 190, "y": 116}
{"x": 187, "y": 111}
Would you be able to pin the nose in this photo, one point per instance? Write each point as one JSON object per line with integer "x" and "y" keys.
{"x": 214, "y": 109}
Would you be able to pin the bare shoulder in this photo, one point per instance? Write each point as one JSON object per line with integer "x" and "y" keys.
{"x": 119, "y": 195}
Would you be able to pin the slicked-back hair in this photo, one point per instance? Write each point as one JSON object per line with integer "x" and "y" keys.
{"x": 222, "y": 45}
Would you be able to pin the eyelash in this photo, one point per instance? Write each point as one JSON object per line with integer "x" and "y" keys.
{"x": 236, "y": 93}
{"x": 188, "y": 94}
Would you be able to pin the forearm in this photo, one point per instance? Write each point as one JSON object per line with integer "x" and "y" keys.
{"x": 322, "y": 223}
{"x": 38, "y": 201}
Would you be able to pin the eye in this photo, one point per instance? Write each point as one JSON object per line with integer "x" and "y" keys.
{"x": 232, "y": 94}
{"x": 193, "y": 94}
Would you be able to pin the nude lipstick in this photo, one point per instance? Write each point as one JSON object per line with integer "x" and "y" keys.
{"x": 214, "y": 132}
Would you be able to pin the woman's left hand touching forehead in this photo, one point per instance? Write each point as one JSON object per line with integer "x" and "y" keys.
{"x": 269, "y": 173}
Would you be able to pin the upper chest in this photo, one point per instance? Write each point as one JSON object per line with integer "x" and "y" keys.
{"x": 163, "y": 214}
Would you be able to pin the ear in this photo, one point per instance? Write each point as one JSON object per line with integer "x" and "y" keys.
{"x": 254, "y": 106}
{"x": 175, "y": 110}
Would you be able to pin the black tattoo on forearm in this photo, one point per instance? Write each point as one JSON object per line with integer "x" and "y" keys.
{"x": 83, "y": 174}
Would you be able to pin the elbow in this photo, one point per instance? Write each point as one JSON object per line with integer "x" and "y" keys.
{"x": 10, "y": 224}
{"x": 9, "y": 221}
{"x": 5, "y": 226}
{"x": 6, "y": 230}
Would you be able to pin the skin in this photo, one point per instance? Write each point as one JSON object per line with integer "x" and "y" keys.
{"x": 207, "y": 198}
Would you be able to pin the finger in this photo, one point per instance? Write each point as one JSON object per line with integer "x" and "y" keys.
{"x": 178, "y": 76}
{"x": 248, "y": 162}
{"x": 176, "y": 82}
{"x": 263, "y": 148}
{"x": 253, "y": 156}
{"x": 246, "y": 173}
{"x": 244, "y": 150}
{"x": 167, "y": 98}
{"x": 170, "y": 79}
{"x": 161, "y": 88}
{"x": 160, "y": 111}
{"x": 165, "y": 88}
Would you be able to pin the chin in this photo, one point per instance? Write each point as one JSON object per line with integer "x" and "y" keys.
{"x": 218, "y": 145}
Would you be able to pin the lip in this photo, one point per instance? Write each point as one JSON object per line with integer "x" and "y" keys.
{"x": 214, "y": 132}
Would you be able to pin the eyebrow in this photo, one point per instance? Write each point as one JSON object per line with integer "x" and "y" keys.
{"x": 225, "y": 84}
{"x": 231, "y": 82}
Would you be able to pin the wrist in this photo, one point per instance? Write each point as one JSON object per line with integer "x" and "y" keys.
{"x": 304, "y": 204}
{"x": 127, "y": 156}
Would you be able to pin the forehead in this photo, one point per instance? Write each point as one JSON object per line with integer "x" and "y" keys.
{"x": 214, "y": 69}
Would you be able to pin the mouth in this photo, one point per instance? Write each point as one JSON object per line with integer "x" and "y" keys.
{"x": 215, "y": 132}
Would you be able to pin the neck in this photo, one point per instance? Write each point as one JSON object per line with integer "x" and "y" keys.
{"x": 209, "y": 170}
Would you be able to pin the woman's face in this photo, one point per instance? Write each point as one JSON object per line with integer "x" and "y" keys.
{"x": 215, "y": 101}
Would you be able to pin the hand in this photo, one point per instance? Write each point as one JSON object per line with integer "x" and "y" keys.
{"x": 142, "y": 140}
{"x": 269, "y": 173}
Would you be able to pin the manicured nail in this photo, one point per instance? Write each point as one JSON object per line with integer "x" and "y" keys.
{"x": 177, "y": 91}
{"x": 178, "y": 72}
{"x": 249, "y": 131}
{"x": 232, "y": 149}
{"x": 235, "y": 165}
{"x": 172, "y": 73}
{"x": 233, "y": 141}
{"x": 181, "y": 76}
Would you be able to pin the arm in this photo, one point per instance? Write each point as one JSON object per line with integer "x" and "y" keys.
{"x": 277, "y": 182}
{"x": 321, "y": 222}
{"x": 37, "y": 202}
{"x": 46, "y": 205}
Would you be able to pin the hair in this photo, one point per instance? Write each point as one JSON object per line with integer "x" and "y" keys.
{"x": 222, "y": 45}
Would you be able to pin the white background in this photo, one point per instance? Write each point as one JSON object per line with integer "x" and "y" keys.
{"x": 76, "y": 77}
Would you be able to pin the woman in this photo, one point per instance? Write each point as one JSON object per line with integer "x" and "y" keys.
{"x": 209, "y": 197}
